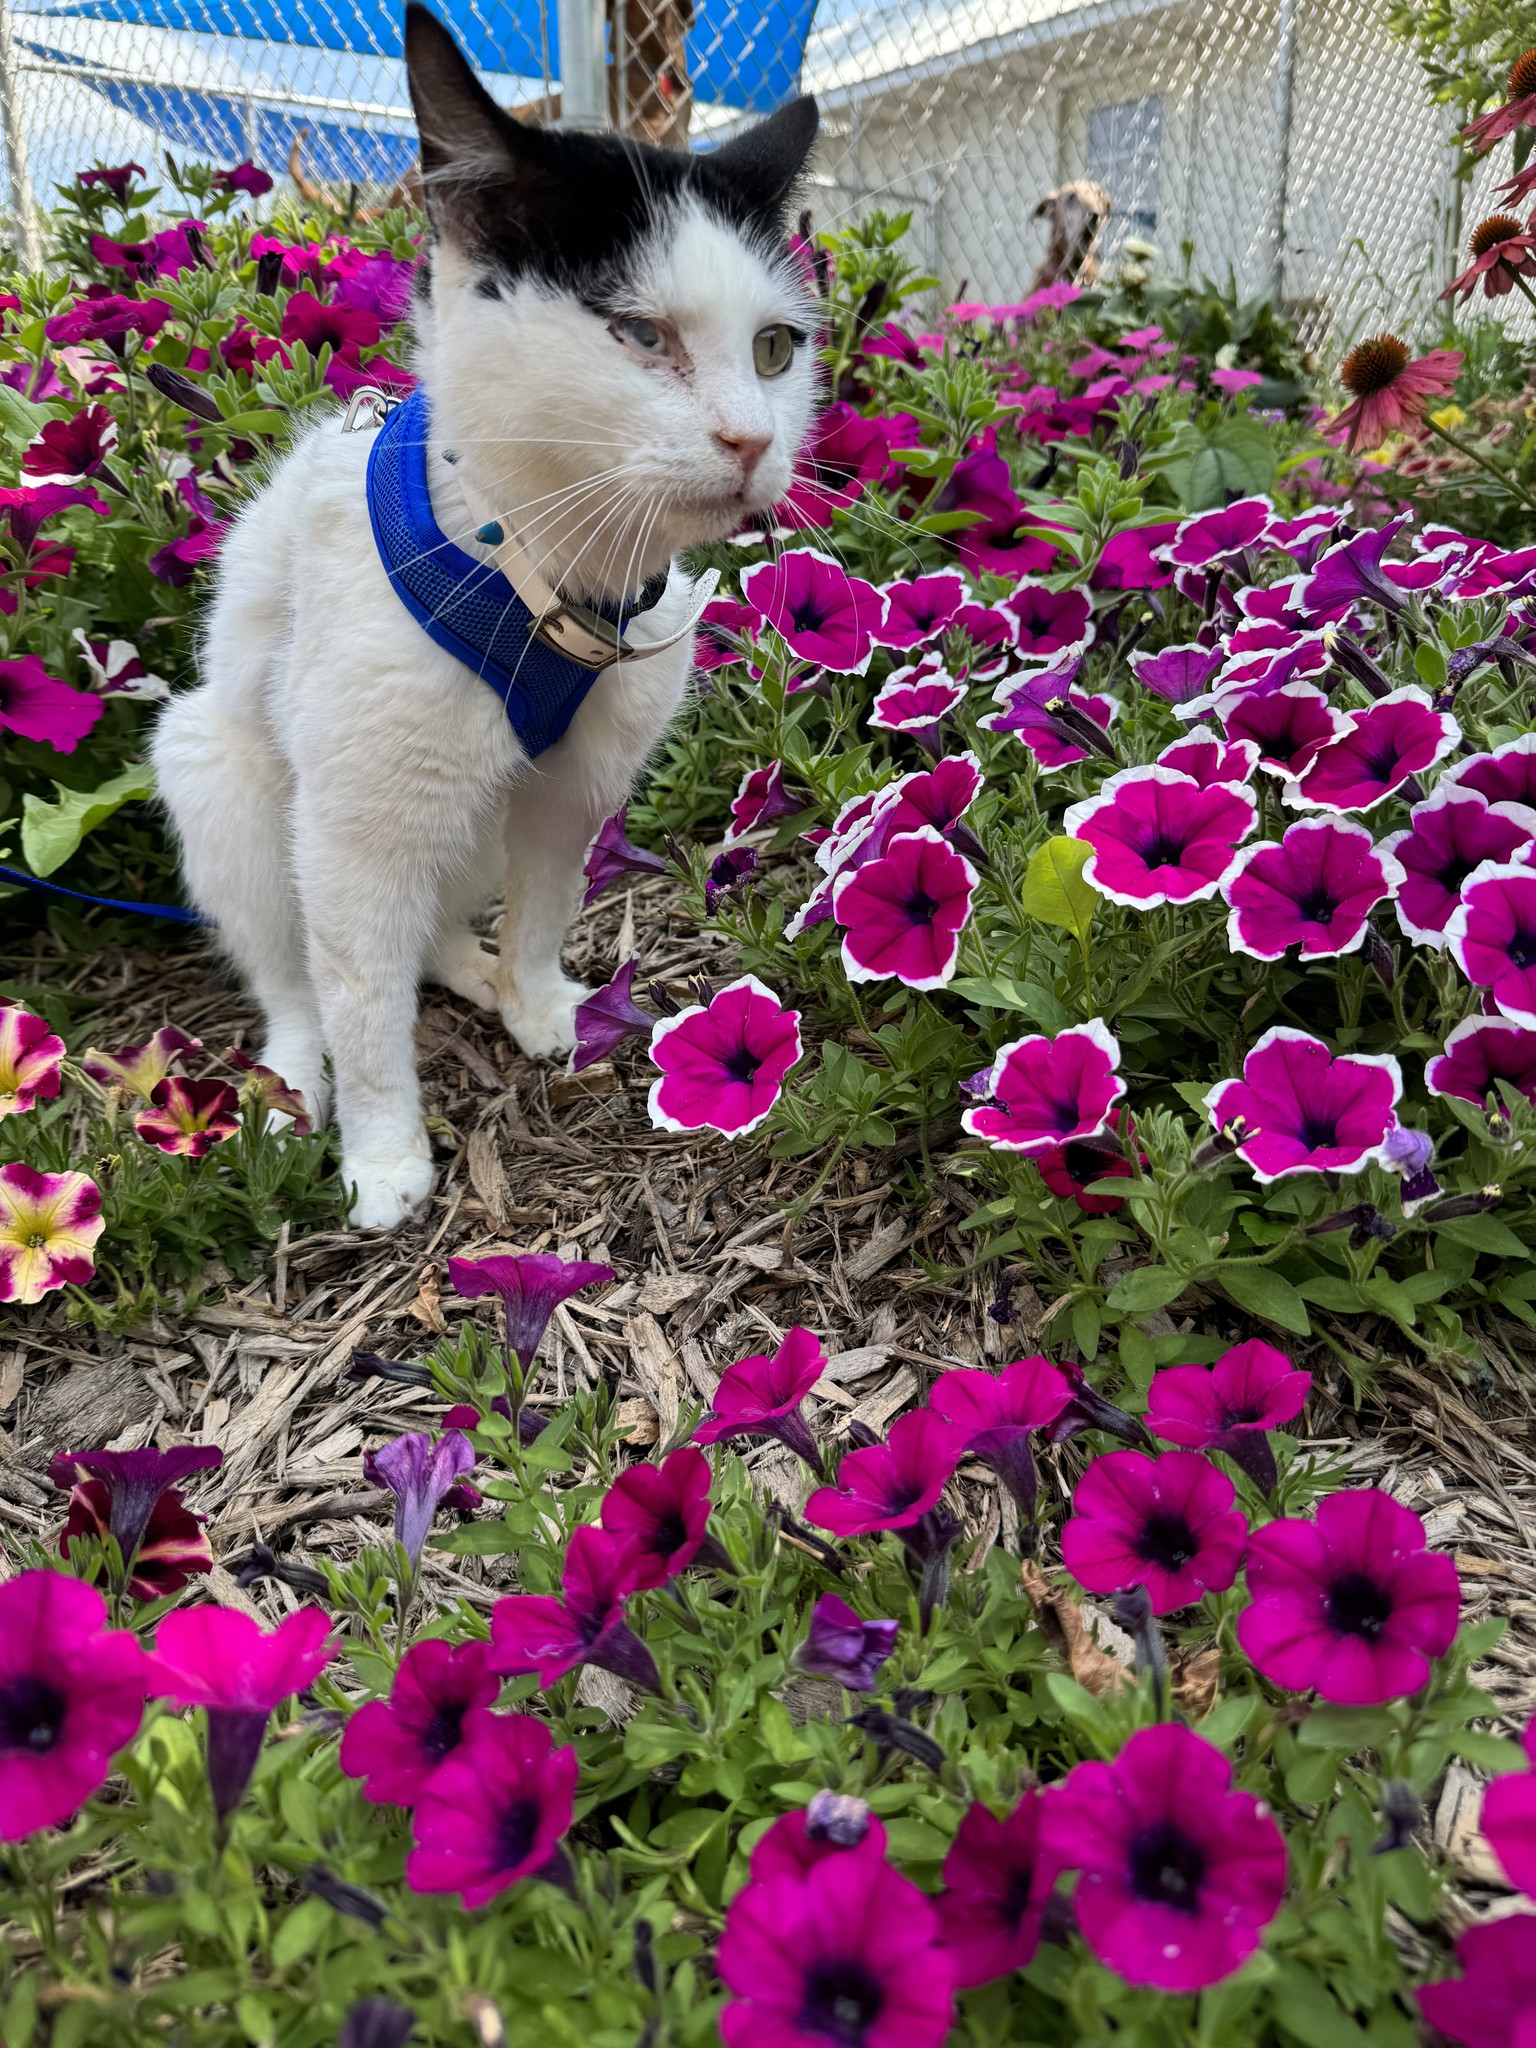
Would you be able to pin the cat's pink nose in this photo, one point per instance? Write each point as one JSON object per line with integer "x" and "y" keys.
{"x": 747, "y": 449}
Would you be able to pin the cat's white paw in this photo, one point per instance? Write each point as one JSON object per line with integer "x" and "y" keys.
{"x": 388, "y": 1190}
{"x": 544, "y": 1022}
{"x": 461, "y": 963}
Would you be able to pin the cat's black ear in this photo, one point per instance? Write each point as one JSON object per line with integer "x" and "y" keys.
{"x": 477, "y": 162}
{"x": 763, "y": 165}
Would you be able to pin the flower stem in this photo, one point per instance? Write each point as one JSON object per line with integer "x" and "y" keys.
{"x": 1482, "y": 462}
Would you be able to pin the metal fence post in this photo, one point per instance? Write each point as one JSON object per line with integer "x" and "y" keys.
{"x": 29, "y": 241}
{"x": 1285, "y": 108}
{"x": 583, "y": 65}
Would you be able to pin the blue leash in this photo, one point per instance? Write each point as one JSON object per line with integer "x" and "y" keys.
{"x": 172, "y": 912}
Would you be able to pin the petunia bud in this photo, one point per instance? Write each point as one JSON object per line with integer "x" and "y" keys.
{"x": 269, "y": 272}
{"x": 1079, "y": 728}
{"x": 323, "y": 1883}
{"x": 1401, "y": 1813}
{"x": 376, "y": 2023}
{"x": 645, "y": 1956}
{"x": 889, "y": 1732}
{"x": 1464, "y": 1205}
{"x": 183, "y": 392}
{"x": 1350, "y": 656}
{"x": 368, "y": 1365}
{"x": 1132, "y": 1608}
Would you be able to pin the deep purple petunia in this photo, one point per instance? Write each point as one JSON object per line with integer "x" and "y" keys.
{"x": 843, "y": 1646}
{"x": 1399, "y": 735}
{"x": 1289, "y": 727}
{"x": 834, "y": 1824}
{"x": 761, "y": 1396}
{"x": 903, "y": 912}
{"x": 1165, "y": 1523}
{"x": 1479, "y": 1054}
{"x": 723, "y": 1062}
{"x": 179, "y": 560}
{"x": 1509, "y": 1820}
{"x": 1211, "y": 538}
{"x": 1353, "y": 1604}
{"x": 71, "y": 1696}
{"x": 612, "y": 856}
{"x": 1180, "y": 1874}
{"x": 997, "y": 1878}
{"x": 1449, "y": 836}
{"x": 110, "y": 319}
{"x": 919, "y": 608}
{"x": 1492, "y": 2004}
{"x": 1207, "y": 759}
{"x": 1046, "y": 622}
{"x": 664, "y": 1511}
{"x": 760, "y": 800}
{"x": 494, "y": 1812}
{"x": 820, "y": 612}
{"x": 1313, "y": 889}
{"x": 1506, "y": 776}
{"x": 1046, "y": 712}
{"x": 531, "y": 1286}
{"x": 607, "y": 1017}
{"x": 132, "y": 1496}
{"x": 1042, "y": 1092}
{"x": 440, "y": 1694}
{"x": 1351, "y": 573}
{"x": 846, "y": 1957}
{"x": 890, "y": 1485}
{"x": 1301, "y": 1109}
{"x": 1178, "y": 674}
{"x": 1071, "y": 1170}
{"x": 1492, "y": 935}
{"x": 995, "y": 1414}
{"x": 586, "y": 1625}
{"x": 1230, "y": 1406}
{"x": 70, "y": 450}
{"x": 1158, "y": 837}
{"x": 419, "y": 1473}
{"x": 37, "y": 706}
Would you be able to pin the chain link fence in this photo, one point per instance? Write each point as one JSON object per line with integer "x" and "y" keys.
{"x": 1289, "y": 144}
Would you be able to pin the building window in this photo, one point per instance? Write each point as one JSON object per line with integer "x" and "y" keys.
{"x": 1125, "y": 154}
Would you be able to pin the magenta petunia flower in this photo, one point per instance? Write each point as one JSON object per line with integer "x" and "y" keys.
{"x": 440, "y": 1694}
{"x": 843, "y": 1646}
{"x": 31, "y": 1060}
{"x": 531, "y": 1286}
{"x": 37, "y": 706}
{"x": 834, "y": 1824}
{"x": 890, "y": 1485}
{"x": 1070, "y": 1170}
{"x": 586, "y": 1625}
{"x": 1211, "y": 538}
{"x": 494, "y": 1812}
{"x": 179, "y": 560}
{"x": 1479, "y": 1054}
{"x": 1353, "y": 1604}
{"x": 1178, "y": 674}
{"x": 820, "y": 612}
{"x": 919, "y": 608}
{"x": 1509, "y": 1821}
{"x": 71, "y": 1696}
{"x": 1492, "y": 936}
{"x": 761, "y": 1396}
{"x": 723, "y": 1062}
{"x": 760, "y": 800}
{"x": 1133, "y": 560}
{"x": 221, "y": 1660}
{"x": 1180, "y": 1874}
{"x": 988, "y": 628}
{"x": 1449, "y": 836}
{"x": 1313, "y": 889}
{"x": 188, "y": 1118}
{"x": 998, "y": 542}
{"x": 1042, "y": 1092}
{"x": 1230, "y": 1406}
{"x": 1398, "y": 736}
{"x": 1493, "y": 2003}
{"x": 245, "y": 178}
{"x": 1298, "y": 658}
{"x": 110, "y": 318}
{"x": 612, "y": 856}
{"x": 1046, "y": 712}
{"x": 1207, "y": 759}
{"x": 995, "y": 1414}
{"x": 1165, "y": 1523}
{"x": 48, "y": 1225}
{"x": 918, "y": 703}
{"x": 132, "y": 1496}
{"x": 997, "y": 1878}
{"x": 1506, "y": 776}
{"x": 938, "y": 796}
{"x": 846, "y": 1957}
{"x": 141, "y": 1068}
{"x": 115, "y": 179}
{"x": 419, "y": 1473}
{"x": 1288, "y": 726}
{"x": 902, "y": 913}
{"x": 70, "y": 450}
{"x": 1046, "y": 622}
{"x": 664, "y": 1511}
{"x": 1301, "y": 1109}
{"x": 1158, "y": 837}
{"x": 607, "y": 1017}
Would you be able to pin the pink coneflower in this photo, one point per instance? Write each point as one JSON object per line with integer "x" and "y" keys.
{"x": 71, "y": 1696}
{"x": 1353, "y": 1604}
{"x": 1230, "y": 1406}
{"x": 1044, "y": 1092}
{"x": 1165, "y": 1523}
{"x": 586, "y": 1625}
{"x": 132, "y": 1496}
{"x": 1492, "y": 935}
{"x": 1389, "y": 391}
{"x": 1180, "y": 1874}
{"x": 1314, "y": 889}
{"x": 994, "y": 1415}
{"x": 890, "y": 1485}
{"x": 188, "y": 1118}
{"x": 48, "y": 1225}
{"x": 1518, "y": 111}
{"x": 761, "y": 1396}
{"x": 996, "y": 1882}
{"x": 1502, "y": 253}
{"x": 31, "y": 1060}
{"x": 1493, "y": 2003}
{"x": 141, "y": 1068}
{"x": 834, "y": 1824}
{"x": 1157, "y": 837}
{"x": 1509, "y": 1819}
{"x": 845, "y": 1957}
{"x": 440, "y": 1694}
{"x": 723, "y": 1062}
{"x": 1301, "y": 1109}
{"x": 530, "y": 1287}
{"x": 842, "y": 1646}
{"x": 903, "y": 912}
{"x": 494, "y": 1812}
{"x": 1479, "y": 1054}
{"x": 664, "y": 1511}
{"x": 1448, "y": 837}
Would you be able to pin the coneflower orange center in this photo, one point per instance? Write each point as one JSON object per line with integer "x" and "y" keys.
{"x": 1372, "y": 365}
{"x": 1498, "y": 227}
{"x": 1522, "y": 76}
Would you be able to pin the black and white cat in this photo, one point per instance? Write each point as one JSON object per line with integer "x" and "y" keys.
{"x": 612, "y": 342}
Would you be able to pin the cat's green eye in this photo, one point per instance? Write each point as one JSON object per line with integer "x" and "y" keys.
{"x": 773, "y": 349}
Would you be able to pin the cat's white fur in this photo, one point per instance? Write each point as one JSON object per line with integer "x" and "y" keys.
{"x": 348, "y": 796}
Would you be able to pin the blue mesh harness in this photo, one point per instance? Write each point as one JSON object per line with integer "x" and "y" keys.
{"x": 468, "y": 606}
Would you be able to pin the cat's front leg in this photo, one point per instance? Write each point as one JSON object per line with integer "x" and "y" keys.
{"x": 549, "y": 825}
